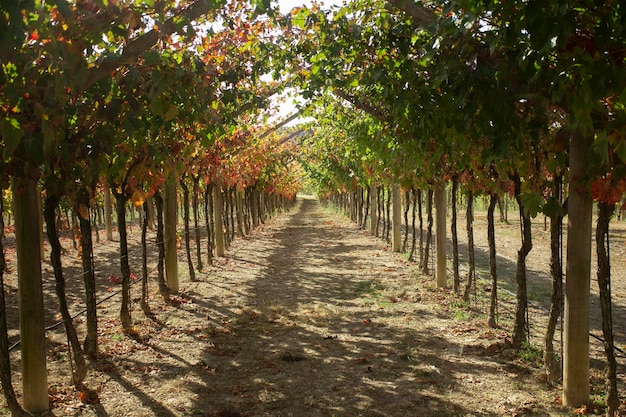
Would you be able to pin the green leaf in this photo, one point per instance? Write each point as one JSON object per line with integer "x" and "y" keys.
{"x": 531, "y": 203}
{"x": 151, "y": 57}
{"x": 11, "y": 133}
{"x": 157, "y": 106}
{"x": 300, "y": 17}
{"x": 191, "y": 33}
{"x": 582, "y": 116}
{"x": 171, "y": 112}
{"x": 621, "y": 151}
{"x": 600, "y": 147}
{"x": 48, "y": 133}
{"x": 63, "y": 7}
{"x": 261, "y": 6}
{"x": 552, "y": 207}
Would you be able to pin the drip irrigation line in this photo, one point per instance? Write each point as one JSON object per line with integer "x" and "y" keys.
{"x": 545, "y": 310}
{"x": 532, "y": 303}
{"x": 82, "y": 274}
{"x": 601, "y": 340}
{"x": 83, "y": 311}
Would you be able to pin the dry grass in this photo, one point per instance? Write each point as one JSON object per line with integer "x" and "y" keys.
{"x": 307, "y": 317}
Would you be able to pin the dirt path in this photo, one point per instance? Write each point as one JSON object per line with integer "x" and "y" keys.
{"x": 308, "y": 316}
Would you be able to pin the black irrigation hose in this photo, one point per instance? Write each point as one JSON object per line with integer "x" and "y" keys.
{"x": 99, "y": 269}
{"x": 80, "y": 313}
{"x": 536, "y": 305}
{"x": 598, "y": 338}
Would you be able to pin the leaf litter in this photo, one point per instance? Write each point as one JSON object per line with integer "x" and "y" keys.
{"x": 327, "y": 322}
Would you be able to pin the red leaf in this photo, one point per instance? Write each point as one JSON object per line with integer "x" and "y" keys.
{"x": 115, "y": 280}
{"x": 604, "y": 190}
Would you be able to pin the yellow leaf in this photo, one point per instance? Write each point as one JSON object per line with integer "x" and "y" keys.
{"x": 138, "y": 198}
{"x": 171, "y": 112}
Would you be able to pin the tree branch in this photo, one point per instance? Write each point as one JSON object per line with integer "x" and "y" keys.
{"x": 279, "y": 125}
{"x": 371, "y": 110}
{"x": 419, "y": 13}
{"x": 146, "y": 41}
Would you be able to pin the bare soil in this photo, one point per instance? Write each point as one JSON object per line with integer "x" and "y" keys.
{"x": 309, "y": 316}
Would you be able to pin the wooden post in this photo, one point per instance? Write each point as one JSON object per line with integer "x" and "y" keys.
{"x": 108, "y": 213}
{"x": 578, "y": 272}
{"x": 218, "y": 213}
{"x": 150, "y": 214}
{"x": 40, "y": 210}
{"x": 170, "y": 217}
{"x": 396, "y": 218}
{"x": 440, "y": 226}
{"x": 262, "y": 208}
{"x": 239, "y": 206}
{"x": 30, "y": 294}
{"x": 270, "y": 203}
{"x": 373, "y": 209}
{"x": 255, "y": 207}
